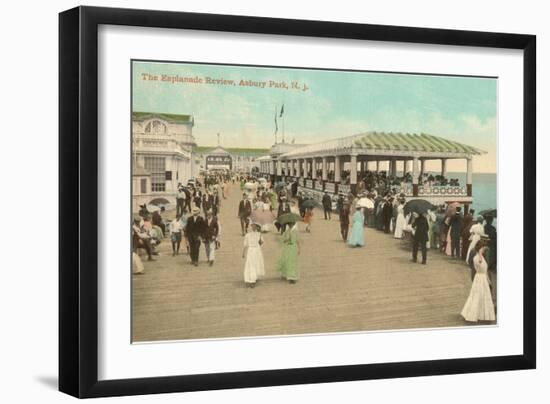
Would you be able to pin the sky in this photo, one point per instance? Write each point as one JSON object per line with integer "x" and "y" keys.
{"x": 322, "y": 105}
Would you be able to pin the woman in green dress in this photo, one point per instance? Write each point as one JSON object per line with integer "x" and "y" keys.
{"x": 287, "y": 264}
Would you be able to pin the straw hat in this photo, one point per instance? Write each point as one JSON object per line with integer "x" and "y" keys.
{"x": 195, "y": 211}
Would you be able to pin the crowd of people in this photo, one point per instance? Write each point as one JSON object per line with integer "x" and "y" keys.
{"x": 444, "y": 228}
{"x": 149, "y": 229}
{"x": 376, "y": 179}
{"x": 376, "y": 205}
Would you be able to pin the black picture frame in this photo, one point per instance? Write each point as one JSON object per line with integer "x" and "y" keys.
{"x": 78, "y": 194}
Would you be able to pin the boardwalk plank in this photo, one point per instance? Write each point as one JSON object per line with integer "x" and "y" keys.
{"x": 340, "y": 289}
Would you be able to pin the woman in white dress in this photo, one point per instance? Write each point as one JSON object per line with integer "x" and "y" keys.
{"x": 400, "y": 221}
{"x": 252, "y": 250}
{"x": 476, "y": 231}
{"x": 479, "y": 305}
{"x": 266, "y": 207}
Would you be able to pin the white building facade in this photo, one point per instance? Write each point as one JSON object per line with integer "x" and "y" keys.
{"x": 162, "y": 156}
{"x": 244, "y": 161}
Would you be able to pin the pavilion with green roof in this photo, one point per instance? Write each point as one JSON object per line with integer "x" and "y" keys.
{"x": 357, "y": 151}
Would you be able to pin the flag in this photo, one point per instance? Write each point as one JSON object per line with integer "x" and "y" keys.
{"x": 282, "y": 110}
{"x": 276, "y": 127}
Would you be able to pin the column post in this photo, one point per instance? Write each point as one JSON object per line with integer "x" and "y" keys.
{"x": 325, "y": 169}
{"x": 337, "y": 167}
{"x": 469, "y": 175}
{"x": 353, "y": 173}
{"x": 415, "y": 176}
{"x": 444, "y": 167}
{"x": 377, "y": 165}
{"x": 422, "y": 166}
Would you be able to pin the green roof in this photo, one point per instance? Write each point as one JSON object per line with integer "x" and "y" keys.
{"x": 412, "y": 142}
{"x": 175, "y": 118}
{"x": 387, "y": 143}
{"x": 233, "y": 150}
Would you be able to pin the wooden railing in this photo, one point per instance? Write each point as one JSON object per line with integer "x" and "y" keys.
{"x": 435, "y": 190}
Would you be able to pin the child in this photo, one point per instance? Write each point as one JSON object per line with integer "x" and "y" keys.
{"x": 175, "y": 234}
{"x": 307, "y": 219}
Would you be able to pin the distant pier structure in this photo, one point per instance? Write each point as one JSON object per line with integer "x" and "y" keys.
{"x": 237, "y": 159}
{"x": 336, "y": 165}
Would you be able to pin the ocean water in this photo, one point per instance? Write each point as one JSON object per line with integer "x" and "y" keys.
{"x": 484, "y": 189}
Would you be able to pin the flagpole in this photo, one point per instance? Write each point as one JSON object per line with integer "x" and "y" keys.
{"x": 276, "y": 124}
{"x": 283, "y": 127}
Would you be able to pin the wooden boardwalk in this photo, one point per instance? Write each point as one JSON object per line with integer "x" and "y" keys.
{"x": 340, "y": 289}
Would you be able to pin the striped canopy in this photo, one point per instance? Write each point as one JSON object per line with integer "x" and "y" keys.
{"x": 387, "y": 143}
{"x": 412, "y": 142}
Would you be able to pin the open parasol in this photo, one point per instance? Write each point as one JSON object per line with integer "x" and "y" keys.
{"x": 280, "y": 185}
{"x": 160, "y": 202}
{"x": 451, "y": 208}
{"x": 153, "y": 208}
{"x": 488, "y": 212}
{"x": 262, "y": 217}
{"x": 366, "y": 203}
{"x": 308, "y": 203}
{"x": 419, "y": 206}
{"x": 250, "y": 186}
{"x": 289, "y": 218}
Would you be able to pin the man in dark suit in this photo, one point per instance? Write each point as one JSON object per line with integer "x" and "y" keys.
{"x": 194, "y": 230}
{"x": 210, "y": 236}
{"x": 344, "y": 220}
{"x": 420, "y": 226}
{"x": 188, "y": 200}
{"x": 294, "y": 188}
{"x": 245, "y": 210}
{"x": 491, "y": 232}
{"x": 456, "y": 224}
{"x": 327, "y": 205}
{"x": 387, "y": 214}
{"x": 197, "y": 198}
{"x": 156, "y": 218}
{"x": 206, "y": 202}
{"x": 300, "y": 199}
{"x": 284, "y": 207}
{"x": 466, "y": 225}
{"x": 216, "y": 203}
{"x": 340, "y": 202}
{"x": 180, "y": 200}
